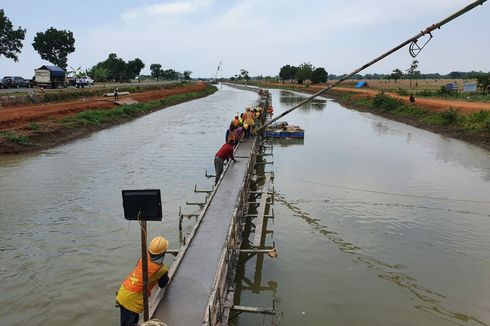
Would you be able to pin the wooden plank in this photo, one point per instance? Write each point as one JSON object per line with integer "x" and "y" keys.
{"x": 261, "y": 212}
{"x": 255, "y": 310}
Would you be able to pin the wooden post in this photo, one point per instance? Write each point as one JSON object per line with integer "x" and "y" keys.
{"x": 144, "y": 258}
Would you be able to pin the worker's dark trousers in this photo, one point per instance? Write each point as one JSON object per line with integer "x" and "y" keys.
{"x": 218, "y": 167}
{"x": 128, "y": 318}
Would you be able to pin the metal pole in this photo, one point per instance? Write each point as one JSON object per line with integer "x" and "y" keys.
{"x": 144, "y": 258}
{"x": 428, "y": 30}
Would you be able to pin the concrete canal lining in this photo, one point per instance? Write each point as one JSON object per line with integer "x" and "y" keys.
{"x": 185, "y": 299}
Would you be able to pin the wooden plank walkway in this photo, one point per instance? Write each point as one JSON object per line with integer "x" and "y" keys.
{"x": 185, "y": 299}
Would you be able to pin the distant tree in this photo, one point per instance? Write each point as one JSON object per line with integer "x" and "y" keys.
{"x": 117, "y": 68}
{"x": 396, "y": 74}
{"x": 55, "y": 46}
{"x": 134, "y": 68}
{"x": 304, "y": 72}
{"x": 244, "y": 74}
{"x": 187, "y": 75}
{"x": 170, "y": 74}
{"x": 412, "y": 72}
{"x": 484, "y": 81}
{"x": 319, "y": 75}
{"x": 10, "y": 39}
{"x": 111, "y": 69}
{"x": 286, "y": 73}
{"x": 100, "y": 74}
{"x": 156, "y": 70}
{"x": 456, "y": 75}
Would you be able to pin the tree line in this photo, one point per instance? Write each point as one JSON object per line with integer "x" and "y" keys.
{"x": 303, "y": 73}
{"x": 55, "y": 45}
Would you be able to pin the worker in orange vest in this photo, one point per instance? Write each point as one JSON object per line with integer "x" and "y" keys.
{"x": 130, "y": 294}
{"x": 248, "y": 118}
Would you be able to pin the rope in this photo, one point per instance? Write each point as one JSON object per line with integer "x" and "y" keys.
{"x": 390, "y": 193}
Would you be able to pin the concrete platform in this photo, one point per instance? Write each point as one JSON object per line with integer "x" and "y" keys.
{"x": 185, "y": 299}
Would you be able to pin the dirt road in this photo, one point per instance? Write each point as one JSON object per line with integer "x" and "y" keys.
{"x": 19, "y": 116}
{"x": 430, "y": 104}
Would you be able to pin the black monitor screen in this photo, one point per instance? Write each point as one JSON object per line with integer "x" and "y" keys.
{"x": 142, "y": 204}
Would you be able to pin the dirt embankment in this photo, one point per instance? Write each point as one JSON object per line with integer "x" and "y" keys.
{"x": 42, "y": 124}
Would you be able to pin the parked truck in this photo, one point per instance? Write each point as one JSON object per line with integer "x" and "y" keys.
{"x": 50, "y": 76}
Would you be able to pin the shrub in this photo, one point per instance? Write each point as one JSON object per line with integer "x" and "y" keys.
{"x": 450, "y": 116}
{"x": 402, "y": 92}
{"x": 14, "y": 138}
{"x": 386, "y": 102}
{"x": 425, "y": 92}
{"x": 33, "y": 126}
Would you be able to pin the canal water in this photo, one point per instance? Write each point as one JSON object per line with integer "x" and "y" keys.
{"x": 377, "y": 222}
{"x": 64, "y": 244}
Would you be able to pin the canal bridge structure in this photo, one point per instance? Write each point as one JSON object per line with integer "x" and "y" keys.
{"x": 201, "y": 288}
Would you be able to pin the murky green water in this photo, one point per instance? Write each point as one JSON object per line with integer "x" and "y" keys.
{"x": 377, "y": 223}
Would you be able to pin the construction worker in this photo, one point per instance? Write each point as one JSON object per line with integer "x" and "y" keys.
{"x": 230, "y": 133}
{"x": 130, "y": 294}
{"x": 235, "y": 121}
{"x": 248, "y": 118}
{"x": 239, "y": 134}
{"x": 225, "y": 153}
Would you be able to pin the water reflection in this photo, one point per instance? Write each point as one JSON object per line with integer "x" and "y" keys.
{"x": 289, "y": 99}
{"x": 286, "y": 142}
{"x": 427, "y": 300}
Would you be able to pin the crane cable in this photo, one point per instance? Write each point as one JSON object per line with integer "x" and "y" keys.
{"x": 413, "y": 40}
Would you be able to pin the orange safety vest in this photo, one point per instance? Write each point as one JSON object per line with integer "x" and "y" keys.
{"x": 248, "y": 118}
{"x": 134, "y": 281}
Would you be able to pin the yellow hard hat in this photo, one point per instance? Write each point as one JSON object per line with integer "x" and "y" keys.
{"x": 158, "y": 246}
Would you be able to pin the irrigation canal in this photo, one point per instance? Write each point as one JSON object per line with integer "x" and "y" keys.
{"x": 376, "y": 222}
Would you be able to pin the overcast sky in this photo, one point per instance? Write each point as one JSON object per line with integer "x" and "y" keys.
{"x": 259, "y": 36}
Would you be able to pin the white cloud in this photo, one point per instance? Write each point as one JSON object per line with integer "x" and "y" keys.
{"x": 261, "y": 36}
{"x": 166, "y": 9}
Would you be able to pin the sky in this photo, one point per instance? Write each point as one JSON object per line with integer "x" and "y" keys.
{"x": 259, "y": 36}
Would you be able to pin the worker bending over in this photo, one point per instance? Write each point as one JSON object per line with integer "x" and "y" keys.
{"x": 225, "y": 153}
{"x": 130, "y": 294}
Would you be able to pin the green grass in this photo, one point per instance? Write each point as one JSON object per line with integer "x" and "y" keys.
{"x": 33, "y": 126}
{"x": 14, "y": 138}
{"x": 479, "y": 121}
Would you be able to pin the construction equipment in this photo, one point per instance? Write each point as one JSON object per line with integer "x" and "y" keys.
{"x": 214, "y": 78}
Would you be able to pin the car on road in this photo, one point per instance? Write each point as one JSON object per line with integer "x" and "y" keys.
{"x": 6, "y": 81}
{"x": 83, "y": 81}
{"x": 16, "y": 82}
